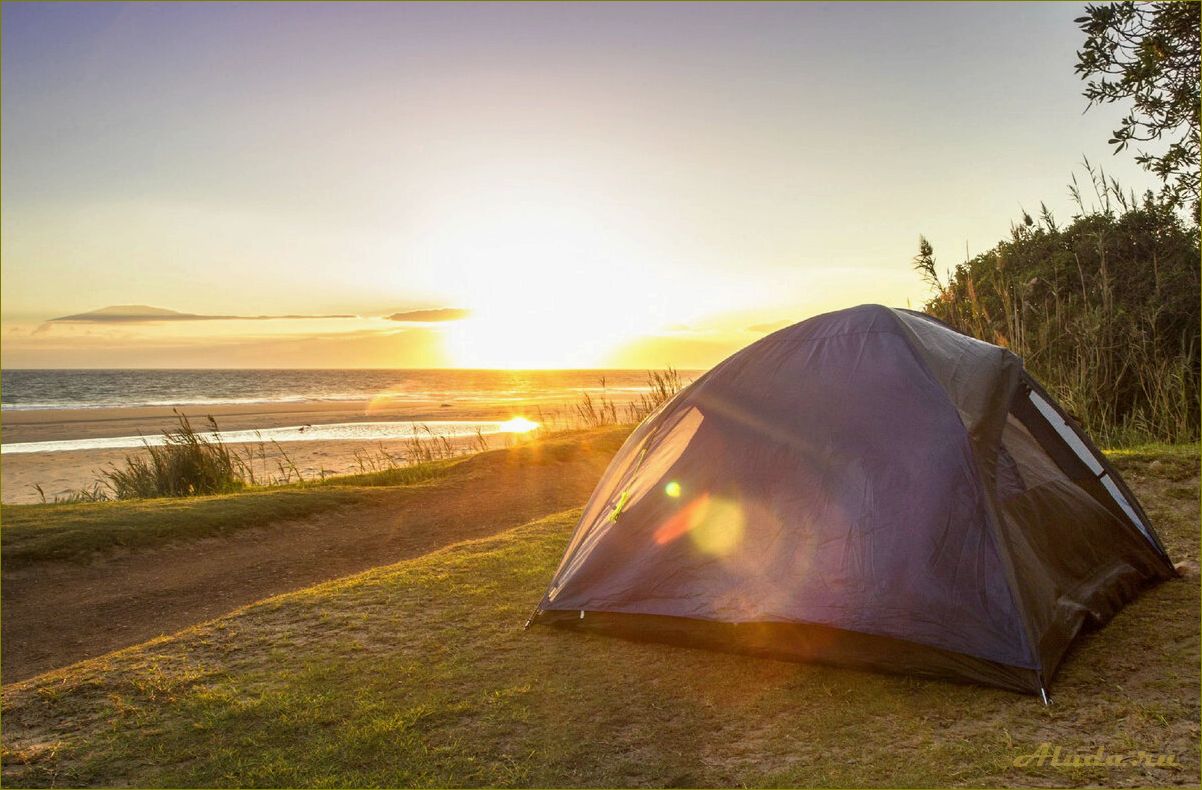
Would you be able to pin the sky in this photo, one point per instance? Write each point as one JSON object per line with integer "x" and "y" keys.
{"x": 508, "y": 185}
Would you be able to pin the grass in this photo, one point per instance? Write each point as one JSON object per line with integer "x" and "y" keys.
{"x": 1182, "y": 459}
{"x": 36, "y": 533}
{"x": 77, "y": 530}
{"x": 419, "y": 674}
{"x": 590, "y": 412}
{"x": 188, "y": 463}
{"x": 191, "y": 462}
{"x": 1103, "y": 310}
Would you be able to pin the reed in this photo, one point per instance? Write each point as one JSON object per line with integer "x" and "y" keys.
{"x": 93, "y": 493}
{"x": 188, "y": 463}
{"x": 662, "y": 386}
{"x": 599, "y": 411}
{"x": 590, "y": 412}
{"x": 1104, "y": 311}
{"x": 425, "y": 446}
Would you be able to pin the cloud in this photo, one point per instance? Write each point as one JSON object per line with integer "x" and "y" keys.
{"x": 430, "y": 316}
{"x": 93, "y": 346}
{"x": 141, "y": 314}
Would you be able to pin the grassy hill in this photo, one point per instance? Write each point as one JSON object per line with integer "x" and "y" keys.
{"x": 420, "y": 673}
{"x": 78, "y": 531}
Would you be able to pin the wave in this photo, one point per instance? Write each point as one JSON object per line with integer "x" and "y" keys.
{"x": 28, "y": 390}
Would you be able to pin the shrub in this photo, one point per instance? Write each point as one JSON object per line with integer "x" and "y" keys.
{"x": 1104, "y": 312}
{"x": 188, "y": 463}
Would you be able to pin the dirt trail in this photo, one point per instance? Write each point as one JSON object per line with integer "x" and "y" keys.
{"x": 58, "y": 613}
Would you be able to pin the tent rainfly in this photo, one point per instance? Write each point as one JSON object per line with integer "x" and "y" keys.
{"x": 866, "y": 488}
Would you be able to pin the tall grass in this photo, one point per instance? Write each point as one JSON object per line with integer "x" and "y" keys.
{"x": 193, "y": 462}
{"x": 1104, "y": 311}
{"x": 188, "y": 463}
{"x": 662, "y": 386}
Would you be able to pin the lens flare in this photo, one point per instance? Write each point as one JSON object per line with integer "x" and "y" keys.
{"x": 672, "y": 489}
{"x": 517, "y": 425}
{"x": 715, "y": 525}
{"x": 720, "y": 527}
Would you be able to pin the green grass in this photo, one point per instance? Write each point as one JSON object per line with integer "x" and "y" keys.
{"x": 78, "y": 531}
{"x": 420, "y": 673}
{"x": 38, "y": 533}
{"x": 1184, "y": 458}
{"x": 393, "y": 476}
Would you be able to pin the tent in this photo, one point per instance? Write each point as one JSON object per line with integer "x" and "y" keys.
{"x": 867, "y": 488}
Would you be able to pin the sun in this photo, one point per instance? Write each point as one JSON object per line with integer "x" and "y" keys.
{"x": 531, "y": 338}
{"x": 518, "y": 425}
{"x": 552, "y": 278}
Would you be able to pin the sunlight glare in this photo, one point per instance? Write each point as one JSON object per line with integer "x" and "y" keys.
{"x": 518, "y": 425}
{"x": 553, "y": 278}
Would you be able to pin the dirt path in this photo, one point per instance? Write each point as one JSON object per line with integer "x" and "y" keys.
{"x": 58, "y": 613}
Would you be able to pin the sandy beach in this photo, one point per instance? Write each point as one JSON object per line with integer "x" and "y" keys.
{"x": 63, "y": 472}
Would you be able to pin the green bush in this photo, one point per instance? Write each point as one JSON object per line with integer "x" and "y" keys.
{"x": 1104, "y": 311}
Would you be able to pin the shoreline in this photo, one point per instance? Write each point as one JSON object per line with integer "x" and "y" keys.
{"x": 62, "y": 472}
{"x": 42, "y": 425}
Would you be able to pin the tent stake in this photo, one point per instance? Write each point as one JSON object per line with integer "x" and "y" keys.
{"x": 530, "y": 620}
{"x": 1044, "y": 693}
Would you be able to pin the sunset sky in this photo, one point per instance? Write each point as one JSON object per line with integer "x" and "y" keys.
{"x": 539, "y": 185}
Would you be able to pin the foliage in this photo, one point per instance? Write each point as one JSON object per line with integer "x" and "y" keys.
{"x": 188, "y": 463}
{"x": 1148, "y": 53}
{"x": 196, "y": 463}
{"x": 1104, "y": 311}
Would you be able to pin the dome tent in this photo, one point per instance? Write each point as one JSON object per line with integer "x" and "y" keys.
{"x": 867, "y": 488}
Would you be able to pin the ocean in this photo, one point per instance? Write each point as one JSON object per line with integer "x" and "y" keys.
{"x": 87, "y": 389}
{"x": 453, "y": 405}
{"x": 52, "y": 442}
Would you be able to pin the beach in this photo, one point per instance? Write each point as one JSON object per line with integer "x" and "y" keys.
{"x": 62, "y": 472}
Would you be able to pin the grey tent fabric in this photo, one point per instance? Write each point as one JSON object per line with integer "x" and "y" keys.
{"x": 870, "y": 488}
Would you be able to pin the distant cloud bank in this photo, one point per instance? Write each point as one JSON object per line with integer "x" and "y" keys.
{"x": 137, "y": 313}
{"x": 144, "y": 314}
{"x": 430, "y": 316}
